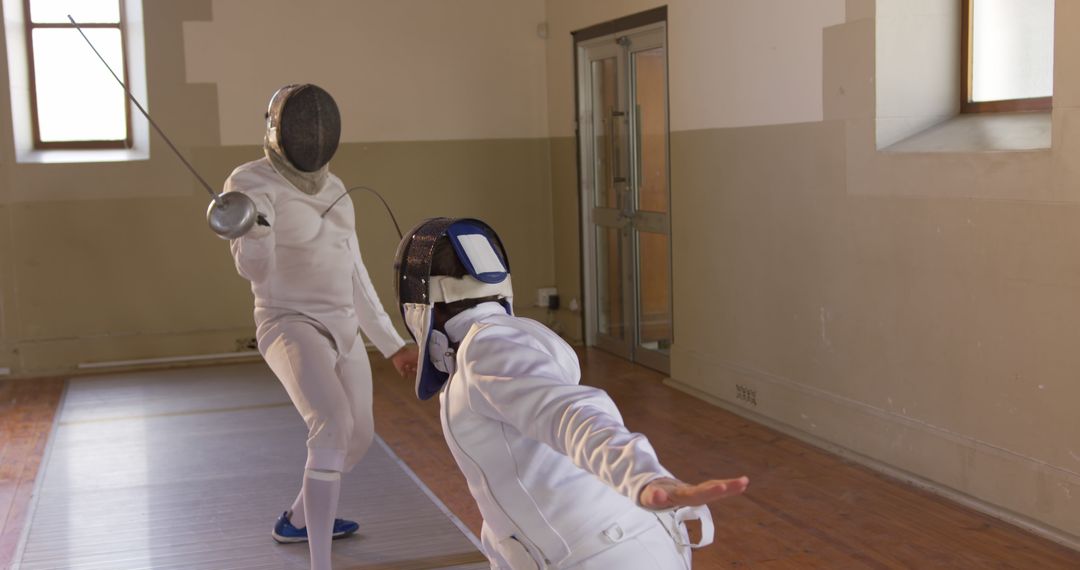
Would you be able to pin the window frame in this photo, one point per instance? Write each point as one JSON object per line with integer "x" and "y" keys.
{"x": 1000, "y": 106}
{"x": 128, "y": 141}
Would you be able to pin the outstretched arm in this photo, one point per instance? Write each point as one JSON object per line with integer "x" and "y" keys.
{"x": 253, "y": 252}
{"x": 516, "y": 382}
{"x": 522, "y": 385}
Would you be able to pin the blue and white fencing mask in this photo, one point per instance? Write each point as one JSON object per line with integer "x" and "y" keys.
{"x": 480, "y": 252}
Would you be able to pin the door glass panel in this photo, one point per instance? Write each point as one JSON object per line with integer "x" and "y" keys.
{"x": 654, "y": 289}
{"x": 651, "y": 134}
{"x": 609, "y": 283}
{"x": 605, "y": 95}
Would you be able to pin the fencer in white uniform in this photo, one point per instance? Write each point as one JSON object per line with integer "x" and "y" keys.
{"x": 312, "y": 296}
{"x": 559, "y": 479}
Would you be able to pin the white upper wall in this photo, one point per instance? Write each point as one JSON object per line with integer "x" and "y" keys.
{"x": 917, "y": 66}
{"x": 399, "y": 69}
{"x": 733, "y": 63}
{"x": 474, "y": 69}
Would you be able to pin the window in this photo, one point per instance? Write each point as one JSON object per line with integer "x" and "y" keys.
{"x": 75, "y": 103}
{"x": 1007, "y": 55}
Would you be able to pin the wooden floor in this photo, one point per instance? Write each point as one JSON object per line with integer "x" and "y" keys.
{"x": 27, "y": 409}
{"x": 805, "y": 508}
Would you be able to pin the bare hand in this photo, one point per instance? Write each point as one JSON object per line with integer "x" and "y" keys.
{"x": 405, "y": 360}
{"x": 668, "y": 493}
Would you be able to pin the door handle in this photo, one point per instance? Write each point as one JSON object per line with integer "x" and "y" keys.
{"x": 620, "y": 162}
{"x": 617, "y": 149}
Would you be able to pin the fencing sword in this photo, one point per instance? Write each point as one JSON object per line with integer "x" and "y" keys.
{"x": 231, "y": 214}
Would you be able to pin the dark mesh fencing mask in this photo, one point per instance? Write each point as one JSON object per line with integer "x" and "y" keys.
{"x": 304, "y": 126}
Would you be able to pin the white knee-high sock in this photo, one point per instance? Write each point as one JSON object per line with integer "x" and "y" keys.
{"x": 321, "y": 492}
{"x": 296, "y": 512}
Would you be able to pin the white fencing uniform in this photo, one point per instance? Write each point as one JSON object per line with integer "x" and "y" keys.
{"x": 553, "y": 469}
{"x": 312, "y": 295}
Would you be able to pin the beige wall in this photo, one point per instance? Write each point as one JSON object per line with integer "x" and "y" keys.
{"x": 401, "y": 69}
{"x": 732, "y": 62}
{"x": 913, "y": 311}
{"x": 916, "y": 87}
{"x": 95, "y": 256}
{"x": 566, "y": 220}
{"x": 102, "y": 262}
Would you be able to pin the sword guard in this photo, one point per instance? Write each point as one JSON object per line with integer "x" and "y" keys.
{"x": 232, "y": 214}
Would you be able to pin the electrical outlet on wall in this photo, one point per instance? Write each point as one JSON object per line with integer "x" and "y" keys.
{"x": 544, "y": 296}
{"x": 745, "y": 394}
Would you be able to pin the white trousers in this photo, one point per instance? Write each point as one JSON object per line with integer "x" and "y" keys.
{"x": 653, "y": 549}
{"x": 332, "y": 391}
{"x": 645, "y": 544}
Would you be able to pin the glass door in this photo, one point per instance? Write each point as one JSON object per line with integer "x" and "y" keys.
{"x": 623, "y": 134}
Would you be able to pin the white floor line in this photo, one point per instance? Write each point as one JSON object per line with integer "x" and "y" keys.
{"x": 442, "y": 507}
{"x": 16, "y": 562}
{"x": 167, "y": 360}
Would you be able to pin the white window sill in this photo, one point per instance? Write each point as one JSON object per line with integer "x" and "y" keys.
{"x": 981, "y": 132}
{"x": 81, "y": 156}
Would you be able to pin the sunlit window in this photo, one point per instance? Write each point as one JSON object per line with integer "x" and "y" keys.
{"x": 75, "y": 101}
{"x": 1009, "y": 55}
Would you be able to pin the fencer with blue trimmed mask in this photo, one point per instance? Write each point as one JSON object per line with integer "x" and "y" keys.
{"x": 478, "y": 247}
{"x": 552, "y": 467}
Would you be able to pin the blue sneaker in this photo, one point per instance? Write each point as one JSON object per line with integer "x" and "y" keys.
{"x": 284, "y": 532}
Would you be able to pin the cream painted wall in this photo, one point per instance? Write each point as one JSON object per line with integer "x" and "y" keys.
{"x": 912, "y": 311}
{"x": 113, "y": 261}
{"x": 399, "y": 69}
{"x": 916, "y": 86}
{"x": 732, "y": 62}
{"x": 873, "y": 305}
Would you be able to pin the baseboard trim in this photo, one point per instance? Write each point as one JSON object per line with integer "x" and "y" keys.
{"x": 167, "y": 360}
{"x": 901, "y": 475}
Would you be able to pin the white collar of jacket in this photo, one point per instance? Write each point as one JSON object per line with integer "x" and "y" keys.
{"x": 458, "y": 326}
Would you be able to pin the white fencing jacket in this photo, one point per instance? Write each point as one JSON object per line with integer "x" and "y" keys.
{"x": 305, "y": 263}
{"x": 548, "y": 461}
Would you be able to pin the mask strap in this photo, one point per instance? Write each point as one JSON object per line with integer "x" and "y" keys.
{"x": 442, "y": 352}
{"x": 445, "y": 289}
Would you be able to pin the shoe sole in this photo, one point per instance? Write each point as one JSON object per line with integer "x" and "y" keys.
{"x": 293, "y": 540}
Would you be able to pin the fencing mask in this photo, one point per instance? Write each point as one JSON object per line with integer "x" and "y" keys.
{"x": 303, "y": 128}
{"x": 485, "y": 273}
